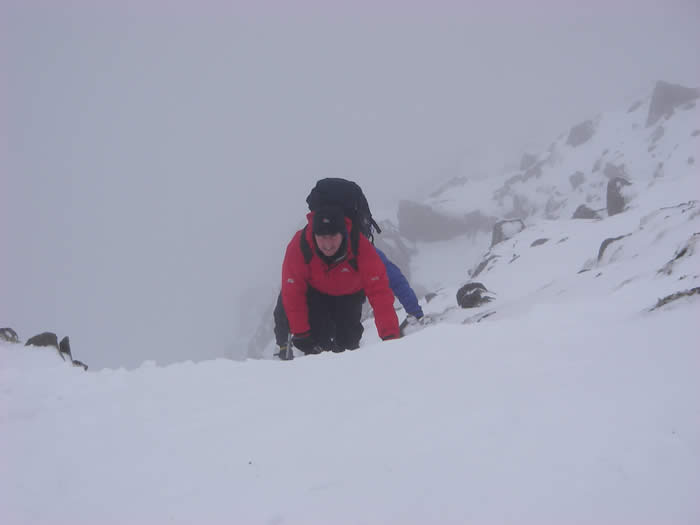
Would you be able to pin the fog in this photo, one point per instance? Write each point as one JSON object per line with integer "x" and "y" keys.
{"x": 156, "y": 155}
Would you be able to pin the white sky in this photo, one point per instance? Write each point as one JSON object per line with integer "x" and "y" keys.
{"x": 156, "y": 156}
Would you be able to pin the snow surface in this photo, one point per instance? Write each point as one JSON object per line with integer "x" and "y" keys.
{"x": 569, "y": 398}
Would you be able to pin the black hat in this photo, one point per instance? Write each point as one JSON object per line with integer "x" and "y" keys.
{"x": 328, "y": 221}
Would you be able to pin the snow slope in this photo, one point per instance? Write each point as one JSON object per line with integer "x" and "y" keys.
{"x": 572, "y": 397}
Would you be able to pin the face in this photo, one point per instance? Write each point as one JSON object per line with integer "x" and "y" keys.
{"x": 329, "y": 244}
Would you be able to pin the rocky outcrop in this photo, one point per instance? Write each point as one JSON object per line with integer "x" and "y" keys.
{"x": 666, "y": 98}
{"x": 43, "y": 339}
{"x": 607, "y": 242}
{"x": 419, "y": 222}
{"x": 615, "y": 199}
{"x": 63, "y": 348}
{"x": 8, "y": 335}
{"x": 584, "y": 212}
{"x": 581, "y": 133}
{"x": 504, "y": 230}
{"x": 675, "y": 296}
{"x": 472, "y": 295}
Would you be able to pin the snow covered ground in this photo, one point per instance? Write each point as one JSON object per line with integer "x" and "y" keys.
{"x": 563, "y": 415}
{"x": 572, "y": 397}
{"x": 578, "y": 408}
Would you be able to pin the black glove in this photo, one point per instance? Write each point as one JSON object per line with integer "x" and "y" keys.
{"x": 306, "y": 343}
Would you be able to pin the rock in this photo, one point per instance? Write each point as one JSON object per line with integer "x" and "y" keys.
{"x": 419, "y": 222}
{"x": 584, "y": 212}
{"x": 472, "y": 295}
{"x": 9, "y": 335}
{"x": 43, "y": 339}
{"x": 615, "y": 199}
{"x": 75, "y": 362}
{"x": 504, "y": 230}
{"x": 64, "y": 347}
{"x": 430, "y": 296}
{"x": 607, "y": 242}
{"x": 666, "y": 97}
{"x": 675, "y": 296}
{"x": 581, "y": 133}
{"x": 577, "y": 179}
{"x": 538, "y": 242}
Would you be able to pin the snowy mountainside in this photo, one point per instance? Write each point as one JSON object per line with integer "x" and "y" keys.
{"x": 567, "y": 175}
{"x": 570, "y": 397}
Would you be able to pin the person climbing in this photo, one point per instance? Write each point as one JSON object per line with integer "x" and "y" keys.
{"x": 325, "y": 281}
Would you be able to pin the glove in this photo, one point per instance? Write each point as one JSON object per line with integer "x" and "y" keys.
{"x": 306, "y": 343}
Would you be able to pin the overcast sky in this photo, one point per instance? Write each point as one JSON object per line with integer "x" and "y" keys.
{"x": 155, "y": 156}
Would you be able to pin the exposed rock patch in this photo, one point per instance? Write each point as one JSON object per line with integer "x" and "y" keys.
{"x": 584, "y": 212}
{"x": 9, "y": 335}
{"x": 615, "y": 199}
{"x": 666, "y": 97}
{"x": 472, "y": 295}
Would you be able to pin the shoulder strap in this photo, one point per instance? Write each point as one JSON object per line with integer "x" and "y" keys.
{"x": 305, "y": 248}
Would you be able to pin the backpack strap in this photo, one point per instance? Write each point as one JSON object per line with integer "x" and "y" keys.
{"x": 305, "y": 248}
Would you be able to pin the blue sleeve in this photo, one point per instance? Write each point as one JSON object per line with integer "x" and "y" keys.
{"x": 399, "y": 285}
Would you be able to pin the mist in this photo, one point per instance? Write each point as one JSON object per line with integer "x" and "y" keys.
{"x": 156, "y": 156}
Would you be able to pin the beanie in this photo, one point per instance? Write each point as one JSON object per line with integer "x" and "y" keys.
{"x": 328, "y": 221}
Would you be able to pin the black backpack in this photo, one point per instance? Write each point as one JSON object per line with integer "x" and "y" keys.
{"x": 347, "y": 195}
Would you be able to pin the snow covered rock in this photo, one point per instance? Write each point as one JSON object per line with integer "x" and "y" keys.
{"x": 9, "y": 335}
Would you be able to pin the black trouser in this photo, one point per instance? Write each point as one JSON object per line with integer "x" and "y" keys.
{"x": 335, "y": 320}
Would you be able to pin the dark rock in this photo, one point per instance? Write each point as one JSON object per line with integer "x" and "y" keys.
{"x": 527, "y": 161}
{"x": 666, "y": 97}
{"x": 584, "y": 212}
{"x": 581, "y": 133}
{"x": 418, "y": 222}
{"x": 676, "y": 296}
{"x": 430, "y": 296}
{"x": 64, "y": 347}
{"x": 472, "y": 295}
{"x": 596, "y": 165}
{"x": 577, "y": 179}
{"x": 9, "y": 335}
{"x": 615, "y": 199}
{"x": 504, "y": 230}
{"x": 538, "y": 242}
{"x": 607, "y": 242}
{"x": 43, "y": 339}
{"x": 80, "y": 363}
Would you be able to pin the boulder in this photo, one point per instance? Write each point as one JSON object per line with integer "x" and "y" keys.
{"x": 43, "y": 339}
{"x": 64, "y": 348}
{"x": 584, "y": 212}
{"x": 9, "y": 335}
{"x": 472, "y": 295}
{"x": 615, "y": 199}
{"x": 580, "y": 133}
{"x": 667, "y": 97}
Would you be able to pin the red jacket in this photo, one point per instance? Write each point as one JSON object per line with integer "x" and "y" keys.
{"x": 338, "y": 279}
